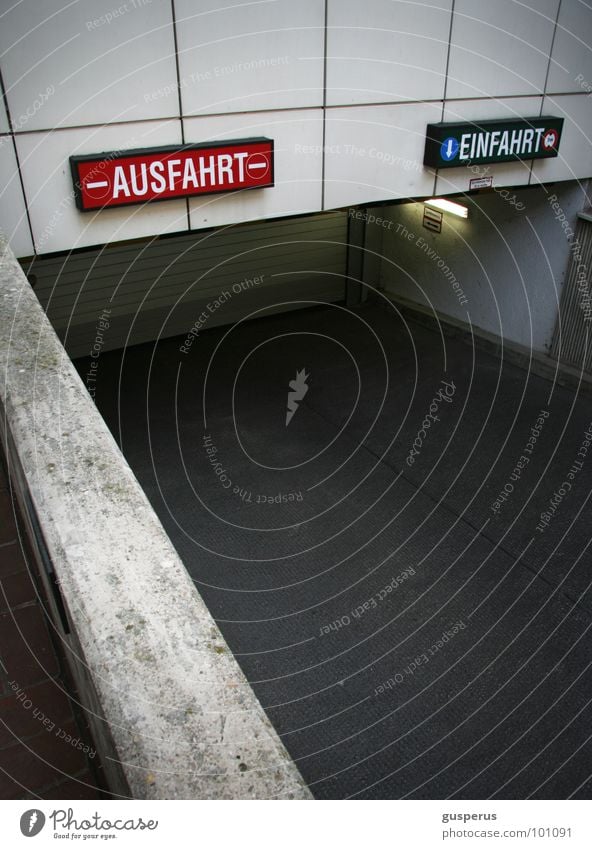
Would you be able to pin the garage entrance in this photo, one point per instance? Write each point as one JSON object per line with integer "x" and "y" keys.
{"x": 334, "y": 481}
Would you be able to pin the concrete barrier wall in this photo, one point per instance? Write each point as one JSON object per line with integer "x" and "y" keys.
{"x": 182, "y": 720}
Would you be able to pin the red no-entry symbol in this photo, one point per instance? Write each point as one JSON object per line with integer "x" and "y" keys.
{"x": 257, "y": 166}
{"x": 98, "y": 185}
{"x": 550, "y": 139}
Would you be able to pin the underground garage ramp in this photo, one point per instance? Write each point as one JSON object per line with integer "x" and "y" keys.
{"x": 378, "y": 518}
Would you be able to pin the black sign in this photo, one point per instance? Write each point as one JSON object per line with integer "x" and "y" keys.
{"x": 453, "y": 145}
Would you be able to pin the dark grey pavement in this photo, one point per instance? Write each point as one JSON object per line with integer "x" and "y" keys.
{"x": 409, "y": 633}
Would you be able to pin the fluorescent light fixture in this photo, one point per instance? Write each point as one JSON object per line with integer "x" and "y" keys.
{"x": 448, "y": 206}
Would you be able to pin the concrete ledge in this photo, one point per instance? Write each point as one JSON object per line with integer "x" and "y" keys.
{"x": 183, "y": 719}
{"x": 519, "y": 355}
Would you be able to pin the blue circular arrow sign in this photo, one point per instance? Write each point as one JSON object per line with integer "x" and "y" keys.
{"x": 449, "y": 148}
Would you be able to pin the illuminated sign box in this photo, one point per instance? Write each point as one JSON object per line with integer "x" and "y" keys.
{"x": 121, "y": 178}
{"x": 455, "y": 145}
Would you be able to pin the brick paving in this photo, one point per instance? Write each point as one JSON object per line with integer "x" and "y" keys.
{"x": 38, "y": 713}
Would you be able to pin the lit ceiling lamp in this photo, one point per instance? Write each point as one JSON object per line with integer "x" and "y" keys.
{"x": 448, "y": 206}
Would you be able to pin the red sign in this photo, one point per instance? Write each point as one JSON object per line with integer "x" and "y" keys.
{"x": 550, "y": 139}
{"x": 162, "y": 173}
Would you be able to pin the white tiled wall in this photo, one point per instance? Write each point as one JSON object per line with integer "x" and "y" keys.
{"x": 570, "y": 59}
{"x": 13, "y": 214}
{"x": 374, "y": 153}
{"x": 259, "y": 68}
{"x": 500, "y": 47}
{"x": 389, "y": 50}
{"x": 236, "y": 57}
{"x": 575, "y": 151}
{"x": 100, "y": 71}
{"x": 298, "y": 140}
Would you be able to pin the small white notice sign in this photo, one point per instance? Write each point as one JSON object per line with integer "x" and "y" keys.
{"x": 480, "y": 183}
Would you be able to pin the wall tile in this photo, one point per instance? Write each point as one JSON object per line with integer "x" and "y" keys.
{"x": 396, "y": 53}
{"x": 571, "y": 59}
{"x": 250, "y": 56}
{"x": 500, "y": 48}
{"x": 84, "y": 69}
